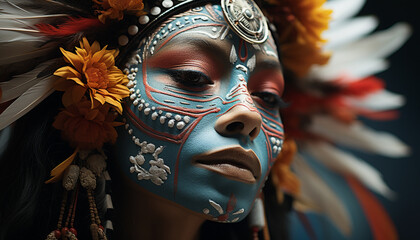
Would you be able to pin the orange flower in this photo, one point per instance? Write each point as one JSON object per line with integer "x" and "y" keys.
{"x": 300, "y": 24}
{"x": 299, "y": 57}
{"x": 94, "y": 70}
{"x": 87, "y": 128}
{"x": 114, "y": 9}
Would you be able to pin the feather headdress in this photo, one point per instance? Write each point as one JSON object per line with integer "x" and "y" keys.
{"x": 325, "y": 105}
{"x": 330, "y": 86}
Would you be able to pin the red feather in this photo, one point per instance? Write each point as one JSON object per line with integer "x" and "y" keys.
{"x": 71, "y": 26}
{"x": 379, "y": 221}
{"x": 306, "y": 225}
{"x": 364, "y": 87}
{"x": 380, "y": 116}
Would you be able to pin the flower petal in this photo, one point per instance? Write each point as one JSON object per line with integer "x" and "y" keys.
{"x": 117, "y": 105}
{"x": 95, "y": 47}
{"x": 67, "y": 72}
{"x": 98, "y": 55}
{"x": 77, "y": 81}
{"x": 73, "y": 95}
{"x": 72, "y": 58}
{"x": 99, "y": 97}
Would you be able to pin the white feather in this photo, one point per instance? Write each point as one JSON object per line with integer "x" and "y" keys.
{"x": 351, "y": 71}
{"x": 24, "y": 50}
{"x": 349, "y": 31}
{"x": 316, "y": 192}
{"x": 378, "y": 45}
{"x": 13, "y": 36}
{"x": 358, "y": 136}
{"x": 21, "y": 83}
{"x": 31, "y": 98}
{"x": 19, "y": 38}
{"x": 363, "y": 57}
{"x": 379, "y": 101}
{"x": 22, "y": 30}
{"x": 8, "y": 35}
{"x": 18, "y": 17}
{"x": 344, "y": 9}
{"x": 347, "y": 164}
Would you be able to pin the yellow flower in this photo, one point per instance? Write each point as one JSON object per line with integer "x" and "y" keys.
{"x": 300, "y": 24}
{"x": 87, "y": 128}
{"x": 311, "y": 19}
{"x": 299, "y": 57}
{"x": 92, "y": 69}
{"x": 114, "y": 9}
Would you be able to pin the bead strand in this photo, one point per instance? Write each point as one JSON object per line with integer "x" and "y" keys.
{"x": 62, "y": 210}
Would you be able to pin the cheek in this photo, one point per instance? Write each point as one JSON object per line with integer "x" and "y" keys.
{"x": 162, "y": 110}
{"x": 273, "y": 129}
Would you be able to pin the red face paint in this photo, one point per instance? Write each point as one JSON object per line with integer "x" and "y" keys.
{"x": 267, "y": 80}
{"x": 190, "y": 58}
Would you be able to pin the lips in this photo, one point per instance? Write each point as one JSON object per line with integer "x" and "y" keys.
{"x": 233, "y": 162}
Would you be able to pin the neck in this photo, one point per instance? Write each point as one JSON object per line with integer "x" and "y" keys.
{"x": 143, "y": 215}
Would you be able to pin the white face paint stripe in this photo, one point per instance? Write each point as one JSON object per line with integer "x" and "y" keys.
{"x": 242, "y": 67}
{"x": 216, "y": 206}
{"x": 239, "y": 211}
{"x": 251, "y": 63}
{"x": 233, "y": 56}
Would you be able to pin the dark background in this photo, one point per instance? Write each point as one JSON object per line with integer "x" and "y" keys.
{"x": 402, "y": 77}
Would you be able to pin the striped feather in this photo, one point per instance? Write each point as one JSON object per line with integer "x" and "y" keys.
{"x": 27, "y": 101}
{"x": 379, "y": 101}
{"x": 380, "y": 223}
{"x": 347, "y": 164}
{"x": 358, "y": 136}
{"x": 349, "y": 31}
{"x": 318, "y": 194}
{"x": 21, "y": 83}
{"x": 344, "y": 9}
{"x": 364, "y": 57}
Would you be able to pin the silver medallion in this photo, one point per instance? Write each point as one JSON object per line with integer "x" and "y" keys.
{"x": 246, "y": 19}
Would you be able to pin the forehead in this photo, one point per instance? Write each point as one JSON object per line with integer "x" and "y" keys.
{"x": 204, "y": 27}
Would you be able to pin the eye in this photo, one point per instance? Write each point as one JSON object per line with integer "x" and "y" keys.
{"x": 189, "y": 78}
{"x": 271, "y": 100}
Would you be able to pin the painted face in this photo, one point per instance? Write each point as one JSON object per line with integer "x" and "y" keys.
{"x": 202, "y": 124}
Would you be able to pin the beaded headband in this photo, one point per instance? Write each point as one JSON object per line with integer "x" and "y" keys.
{"x": 243, "y": 16}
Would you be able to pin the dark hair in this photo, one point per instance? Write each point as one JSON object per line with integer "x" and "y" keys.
{"x": 29, "y": 208}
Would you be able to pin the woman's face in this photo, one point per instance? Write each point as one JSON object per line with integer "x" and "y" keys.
{"x": 202, "y": 126}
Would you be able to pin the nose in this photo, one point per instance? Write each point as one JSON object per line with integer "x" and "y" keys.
{"x": 239, "y": 120}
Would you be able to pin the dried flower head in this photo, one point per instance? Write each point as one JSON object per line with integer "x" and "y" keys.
{"x": 92, "y": 69}
{"x": 300, "y": 24}
{"x": 114, "y": 9}
{"x": 87, "y": 128}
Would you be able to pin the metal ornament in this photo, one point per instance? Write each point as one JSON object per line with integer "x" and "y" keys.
{"x": 246, "y": 19}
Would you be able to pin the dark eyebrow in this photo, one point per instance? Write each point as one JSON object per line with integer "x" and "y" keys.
{"x": 209, "y": 46}
{"x": 268, "y": 63}
{"x": 217, "y": 49}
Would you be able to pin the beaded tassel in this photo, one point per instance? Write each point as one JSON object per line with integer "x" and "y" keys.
{"x": 94, "y": 165}
{"x": 109, "y": 206}
{"x": 70, "y": 180}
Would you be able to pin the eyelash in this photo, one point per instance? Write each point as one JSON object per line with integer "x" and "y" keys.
{"x": 189, "y": 78}
{"x": 271, "y": 100}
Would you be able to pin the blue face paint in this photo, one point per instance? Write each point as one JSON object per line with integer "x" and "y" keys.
{"x": 202, "y": 124}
